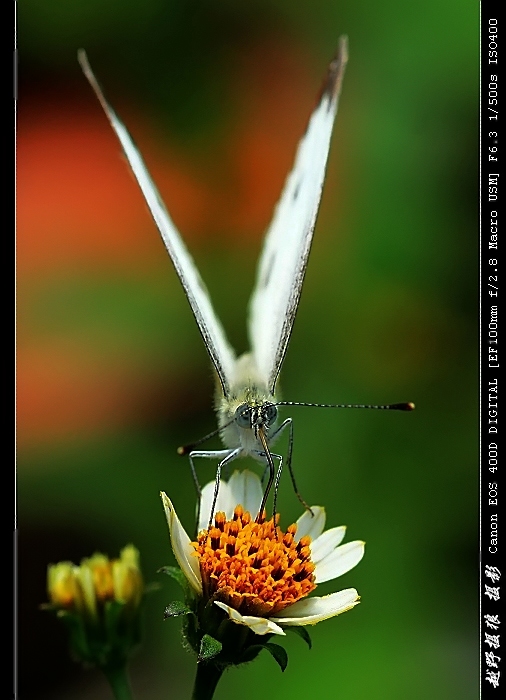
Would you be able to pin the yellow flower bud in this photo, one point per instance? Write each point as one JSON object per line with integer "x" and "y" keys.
{"x": 101, "y": 569}
{"x": 88, "y": 598}
{"x": 127, "y": 578}
{"x": 85, "y": 589}
{"x": 62, "y": 585}
{"x": 99, "y": 601}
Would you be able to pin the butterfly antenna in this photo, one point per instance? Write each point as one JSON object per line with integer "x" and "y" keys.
{"x": 185, "y": 449}
{"x": 409, "y": 406}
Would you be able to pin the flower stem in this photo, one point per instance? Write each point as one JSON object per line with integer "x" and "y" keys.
{"x": 119, "y": 682}
{"x": 206, "y": 680}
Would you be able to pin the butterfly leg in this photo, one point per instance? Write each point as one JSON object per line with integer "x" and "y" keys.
{"x": 288, "y": 422}
{"x": 272, "y": 438}
{"x": 229, "y": 458}
{"x": 270, "y": 465}
{"x": 208, "y": 454}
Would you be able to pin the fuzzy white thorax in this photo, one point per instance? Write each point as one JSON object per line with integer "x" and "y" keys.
{"x": 247, "y": 387}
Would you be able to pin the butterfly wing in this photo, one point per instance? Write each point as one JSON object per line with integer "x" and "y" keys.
{"x": 221, "y": 353}
{"x": 283, "y": 261}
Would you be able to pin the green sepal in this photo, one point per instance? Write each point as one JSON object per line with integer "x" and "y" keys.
{"x": 301, "y": 632}
{"x": 209, "y": 648}
{"x": 121, "y": 634}
{"x": 176, "y": 608}
{"x": 175, "y": 573}
{"x": 278, "y": 653}
{"x": 78, "y": 639}
{"x": 113, "y": 610}
{"x": 122, "y": 628}
{"x": 275, "y": 650}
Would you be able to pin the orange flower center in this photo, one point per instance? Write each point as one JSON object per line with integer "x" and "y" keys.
{"x": 252, "y": 565}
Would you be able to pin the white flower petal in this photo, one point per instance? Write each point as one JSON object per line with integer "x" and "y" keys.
{"x": 181, "y": 546}
{"x": 259, "y": 625}
{"x": 338, "y": 562}
{"x": 246, "y": 489}
{"x": 326, "y": 543}
{"x": 311, "y": 525}
{"x": 312, "y": 610}
{"x": 224, "y": 502}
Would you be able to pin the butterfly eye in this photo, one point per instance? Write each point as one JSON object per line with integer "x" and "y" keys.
{"x": 243, "y": 416}
{"x": 270, "y": 413}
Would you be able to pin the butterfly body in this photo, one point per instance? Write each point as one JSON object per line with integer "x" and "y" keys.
{"x": 248, "y": 390}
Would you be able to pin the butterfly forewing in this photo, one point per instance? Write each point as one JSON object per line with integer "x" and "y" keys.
{"x": 283, "y": 261}
{"x": 222, "y": 355}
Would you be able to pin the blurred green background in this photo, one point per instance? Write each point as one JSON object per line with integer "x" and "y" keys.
{"x": 112, "y": 372}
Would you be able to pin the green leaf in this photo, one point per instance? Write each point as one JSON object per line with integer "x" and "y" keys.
{"x": 175, "y": 573}
{"x": 209, "y": 648}
{"x": 175, "y": 609}
{"x": 301, "y": 632}
{"x": 278, "y": 653}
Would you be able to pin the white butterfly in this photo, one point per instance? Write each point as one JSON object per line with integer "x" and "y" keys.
{"x": 245, "y": 399}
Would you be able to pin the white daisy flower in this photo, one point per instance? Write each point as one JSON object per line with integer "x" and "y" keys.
{"x": 258, "y": 574}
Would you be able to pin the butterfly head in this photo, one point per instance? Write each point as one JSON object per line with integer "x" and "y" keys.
{"x": 254, "y": 416}
{"x": 244, "y": 416}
